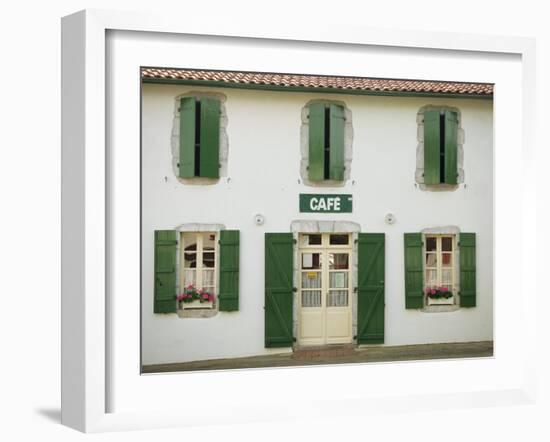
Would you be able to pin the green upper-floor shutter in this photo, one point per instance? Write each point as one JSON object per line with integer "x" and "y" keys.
{"x": 210, "y": 138}
{"x": 414, "y": 280}
{"x": 165, "y": 271}
{"x": 451, "y": 132}
{"x": 228, "y": 296}
{"x": 370, "y": 290}
{"x": 187, "y": 137}
{"x": 467, "y": 248}
{"x": 337, "y": 120}
{"x": 432, "y": 153}
{"x": 278, "y": 289}
{"x": 316, "y": 166}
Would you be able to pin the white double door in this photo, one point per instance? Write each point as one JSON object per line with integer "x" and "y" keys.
{"x": 325, "y": 294}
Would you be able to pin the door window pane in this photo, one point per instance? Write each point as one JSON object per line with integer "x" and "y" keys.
{"x": 338, "y": 280}
{"x": 311, "y": 260}
{"x": 336, "y": 240}
{"x": 337, "y": 298}
{"x": 311, "y": 298}
{"x": 447, "y": 260}
{"x": 338, "y": 261}
{"x": 311, "y": 280}
{"x": 310, "y": 239}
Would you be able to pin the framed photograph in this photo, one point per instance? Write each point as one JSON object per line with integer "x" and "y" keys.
{"x": 256, "y": 223}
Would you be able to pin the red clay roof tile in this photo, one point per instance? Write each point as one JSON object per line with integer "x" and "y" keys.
{"x": 321, "y": 81}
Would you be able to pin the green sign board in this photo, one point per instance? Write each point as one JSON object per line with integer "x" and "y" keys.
{"x": 325, "y": 203}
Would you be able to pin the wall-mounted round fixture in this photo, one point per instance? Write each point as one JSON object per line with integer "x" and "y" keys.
{"x": 390, "y": 218}
{"x": 259, "y": 219}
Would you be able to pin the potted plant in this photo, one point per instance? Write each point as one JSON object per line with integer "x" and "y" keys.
{"x": 439, "y": 295}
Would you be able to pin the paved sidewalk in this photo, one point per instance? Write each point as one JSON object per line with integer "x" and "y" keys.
{"x": 364, "y": 354}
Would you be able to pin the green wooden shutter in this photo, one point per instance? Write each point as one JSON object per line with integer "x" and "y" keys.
{"x": 229, "y": 270}
{"x": 187, "y": 137}
{"x": 370, "y": 301}
{"x": 278, "y": 289}
{"x": 165, "y": 271}
{"x": 316, "y": 166}
{"x": 451, "y": 131}
{"x": 337, "y": 120}
{"x": 467, "y": 244}
{"x": 210, "y": 138}
{"x": 432, "y": 154}
{"x": 414, "y": 279}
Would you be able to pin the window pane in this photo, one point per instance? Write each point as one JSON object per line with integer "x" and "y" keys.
{"x": 208, "y": 241}
{"x": 189, "y": 278}
{"x": 338, "y": 260}
{"x": 447, "y": 244}
{"x": 431, "y": 259}
{"x": 311, "y": 280}
{"x": 337, "y": 298}
{"x": 190, "y": 241}
{"x": 190, "y": 260}
{"x": 311, "y": 260}
{"x": 446, "y": 276}
{"x": 207, "y": 278}
{"x": 338, "y": 280}
{"x": 313, "y": 239}
{"x": 431, "y": 244}
{"x": 447, "y": 260}
{"x": 311, "y": 299}
{"x": 339, "y": 240}
{"x": 431, "y": 277}
{"x": 208, "y": 259}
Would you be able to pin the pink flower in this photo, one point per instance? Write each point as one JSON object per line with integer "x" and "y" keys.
{"x": 444, "y": 289}
{"x": 433, "y": 291}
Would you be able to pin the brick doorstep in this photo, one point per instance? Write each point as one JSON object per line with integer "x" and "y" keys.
{"x": 324, "y": 351}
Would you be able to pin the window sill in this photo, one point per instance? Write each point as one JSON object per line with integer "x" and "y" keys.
{"x": 442, "y": 187}
{"x": 198, "y": 180}
{"x": 204, "y": 312}
{"x": 441, "y": 301}
{"x": 440, "y": 308}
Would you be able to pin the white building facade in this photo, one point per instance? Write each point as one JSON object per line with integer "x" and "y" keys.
{"x": 277, "y": 217}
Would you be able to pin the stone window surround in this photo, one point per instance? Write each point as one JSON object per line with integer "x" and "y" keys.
{"x": 311, "y": 226}
{"x": 197, "y": 227}
{"x": 419, "y": 173}
{"x": 304, "y": 145}
{"x": 224, "y": 141}
{"x": 443, "y": 230}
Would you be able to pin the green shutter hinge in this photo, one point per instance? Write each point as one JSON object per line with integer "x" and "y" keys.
{"x": 294, "y": 289}
{"x": 294, "y": 241}
{"x": 355, "y": 289}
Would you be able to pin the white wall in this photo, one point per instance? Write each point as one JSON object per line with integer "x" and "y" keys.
{"x": 263, "y": 177}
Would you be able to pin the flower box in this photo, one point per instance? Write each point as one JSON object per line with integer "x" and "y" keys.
{"x": 438, "y": 296}
{"x": 440, "y": 301}
{"x": 191, "y": 298}
{"x": 196, "y": 304}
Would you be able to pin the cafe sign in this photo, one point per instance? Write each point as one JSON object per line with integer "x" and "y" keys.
{"x": 325, "y": 203}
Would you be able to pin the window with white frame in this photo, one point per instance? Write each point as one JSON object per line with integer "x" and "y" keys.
{"x": 440, "y": 269}
{"x": 198, "y": 276}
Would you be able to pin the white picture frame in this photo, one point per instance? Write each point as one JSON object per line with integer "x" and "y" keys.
{"x": 88, "y": 363}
